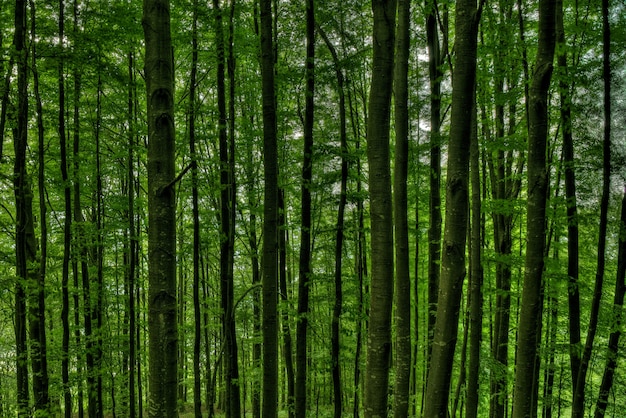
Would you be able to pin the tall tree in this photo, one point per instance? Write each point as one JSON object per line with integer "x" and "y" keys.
{"x": 270, "y": 217}
{"x": 162, "y": 324}
{"x": 25, "y": 243}
{"x": 578, "y": 402}
{"x": 402, "y": 352}
{"x": 608, "y": 375}
{"x": 455, "y": 232}
{"x": 305, "y": 229}
{"x": 527, "y": 353}
{"x": 381, "y": 286}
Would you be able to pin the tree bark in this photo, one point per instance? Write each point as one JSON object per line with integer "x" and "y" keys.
{"x": 162, "y": 323}
{"x": 270, "y": 217}
{"x": 305, "y": 228}
{"x": 381, "y": 287}
{"x": 453, "y": 254}
{"x": 527, "y": 363}
{"x": 616, "y": 321}
{"x": 402, "y": 363}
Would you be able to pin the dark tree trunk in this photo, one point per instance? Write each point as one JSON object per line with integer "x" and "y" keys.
{"x": 305, "y": 228}
{"x": 25, "y": 245}
{"x": 378, "y": 157}
{"x": 338, "y": 303}
{"x": 197, "y": 306}
{"x": 476, "y": 278}
{"x": 402, "y": 363}
{"x": 270, "y": 217}
{"x": 162, "y": 324}
{"x": 435, "y": 74}
{"x": 526, "y": 370}
{"x": 453, "y": 255}
{"x": 617, "y": 319}
{"x": 67, "y": 225}
{"x": 573, "y": 293}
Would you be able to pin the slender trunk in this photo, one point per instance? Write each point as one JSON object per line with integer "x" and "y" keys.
{"x": 617, "y": 319}
{"x": 162, "y": 323}
{"x": 402, "y": 349}
{"x": 434, "y": 198}
{"x": 39, "y": 358}
{"x": 67, "y": 225}
{"x": 476, "y": 278}
{"x": 378, "y": 157}
{"x": 526, "y": 371}
{"x": 270, "y": 216}
{"x": 197, "y": 311}
{"x": 305, "y": 228}
{"x": 578, "y": 402}
{"x": 284, "y": 297}
{"x": 339, "y": 238}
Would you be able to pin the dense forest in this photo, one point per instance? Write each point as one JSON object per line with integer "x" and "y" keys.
{"x": 312, "y": 208}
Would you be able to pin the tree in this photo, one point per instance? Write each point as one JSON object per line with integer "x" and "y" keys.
{"x": 527, "y": 353}
{"x": 453, "y": 258}
{"x": 162, "y": 323}
{"x": 381, "y": 287}
{"x": 270, "y": 217}
{"x": 402, "y": 294}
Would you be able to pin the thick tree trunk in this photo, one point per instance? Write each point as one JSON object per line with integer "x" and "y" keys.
{"x": 402, "y": 363}
{"x": 526, "y": 371}
{"x": 378, "y": 157}
{"x": 270, "y": 217}
{"x": 25, "y": 245}
{"x": 162, "y": 323}
{"x": 453, "y": 255}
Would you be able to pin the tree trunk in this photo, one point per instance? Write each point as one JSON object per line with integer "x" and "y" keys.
{"x": 578, "y": 402}
{"x": 435, "y": 74}
{"x": 526, "y": 370}
{"x": 162, "y": 325}
{"x": 305, "y": 228}
{"x": 476, "y": 278}
{"x": 573, "y": 293}
{"x": 381, "y": 287}
{"x": 25, "y": 245}
{"x": 402, "y": 363}
{"x": 617, "y": 319}
{"x": 270, "y": 217}
{"x": 453, "y": 255}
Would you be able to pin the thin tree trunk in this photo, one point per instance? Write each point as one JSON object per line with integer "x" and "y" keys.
{"x": 573, "y": 293}
{"x": 284, "y": 297}
{"x": 270, "y": 218}
{"x": 338, "y": 303}
{"x": 162, "y": 324}
{"x": 378, "y": 157}
{"x": 578, "y": 402}
{"x": 617, "y": 319}
{"x": 305, "y": 229}
{"x": 67, "y": 225}
{"x": 526, "y": 370}
{"x": 402, "y": 349}
{"x": 197, "y": 307}
{"x": 476, "y": 278}
{"x": 435, "y": 74}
